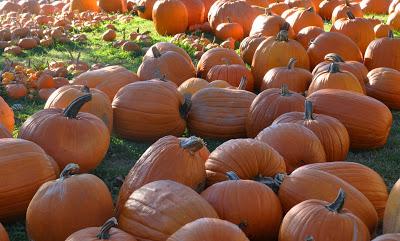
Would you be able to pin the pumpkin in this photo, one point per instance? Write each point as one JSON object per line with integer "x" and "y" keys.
{"x": 278, "y": 7}
{"x": 208, "y": 229}
{"x": 229, "y": 30}
{"x": 4, "y": 133}
{"x": 229, "y": 43}
{"x": 6, "y": 115}
{"x": 392, "y": 212}
{"x": 231, "y": 73}
{"x": 248, "y": 158}
{"x": 162, "y": 12}
{"x": 192, "y": 85}
{"x": 299, "y": 3}
{"x": 83, "y": 5}
{"x": 297, "y": 79}
{"x": 261, "y": 218}
{"x": 27, "y": 43}
{"x": 375, "y": 6}
{"x": 21, "y": 158}
{"x": 276, "y": 52}
{"x": 269, "y": 25}
{"x": 367, "y": 120}
{"x": 290, "y": 11}
{"x": 105, "y": 232}
{"x": 226, "y": 112}
{"x": 108, "y": 79}
{"x": 333, "y": 42}
{"x": 4, "y": 235}
{"x": 248, "y": 46}
{"x": 216, "y": 56}
{"x": 44, "y": 94}
{"x": 53, "y": 210}
{"x": 207, "y": 6}
{"x": 144, "y": 8}
{"x": 394, "y": 20}
{"x": 388, "y": 237}
{"x": 61, "y": 132}
{"x": 377, "y": 55}
{"x": 332, "y": 134}
{"x": 163, "y": 47}
{"x": 269, "y": 105}
{"x": 326, "y": 8}
{"x": 113, "y": 6}
{"x": 393, "y": 5}
{"x": 382, "y": 30}
{"x": 308, "y": 34}
{"x": 170, "y": 158}
{"x": 220, "y": 84}
{"x": 196, "y": 11}
{"x": 356, "y": 174}
{"x": 173, "y": 205}
{"x": 341, "y": 11}
{"x": 16, "y": 91}
{"x": 304, "y": 18}
{"x": 45, "y": 81}
{"x": 160, "y": 65}
{"x": 100, "y": 105}
{"x": 109, "y": 35}
{"x": 383, "y": 86}
{"x": 316, "y": 219}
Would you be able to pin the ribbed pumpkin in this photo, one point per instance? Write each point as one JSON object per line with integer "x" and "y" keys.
{"x": 367, "y": 120}
{"x": 269, "y": 105}
{"x": 382, "y": 52}
{"x": 356, "y": 174}
{"x": 68, "y": 135}
{"x": 196, "y": 11}
{"x": 383, "y": 85}
{"x": 304, "y": 18}
{"x": 4, "y": 133}
{"x": 280, "y": 136}
{"x": 340, "y": 11}
{"x": 4, "y": 235}
{"x": 307, "y": 34}
{"x": 208, "y": 229}
{"x": 170, "y": 158}
{"x": 391, "y": 219}
{"x": 297, "y": 79}
{"x": 269, "y": 25}
{"x": 113, "y": 5}
{"x": 332, "y": 42}
{"x": 276, "y": 52}
{"x": 388, "y": 237}
{"x": 332, "y": 134}
{"x": 231, "y": 73}
{"x": 138, "y": 114}
{"x": 248, "y": 158}
{"x": 334, "y": 78}
{"x": 229, "y": 30}
{"x": 326, "y": 8}
{"x": 6, "y": 116}
{"x": 163, "y": 47}
{"x": 100, "y": 105}
{"x": 24, "y": 159}
{"x": 278, "y": 7}
{"x": 232, "y": 199}
{"x": 162, "y": 12}
{"x": 382, "y": 30}
{"x": 172, "y": 204}
{"x": 52, "y": 213}
{"x": 105, "y": 232}
{"x": 375, "y": 6}
{"x": 226, "y": 112}
{"x": 108, "y": 79}
{"x": 192, "y": 85}
{"x": 219, "y": 84}
{"x": 145, "y": 8}
{"x": 83, "y": 5}
{"x": 248, "y": 46}
{"x": 317, "y": 219}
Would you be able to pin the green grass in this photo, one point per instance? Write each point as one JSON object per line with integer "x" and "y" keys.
{"x": 123, "y": 154}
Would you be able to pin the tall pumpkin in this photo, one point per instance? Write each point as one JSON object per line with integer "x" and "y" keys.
{"x": 83, "y": 5}
{"x": 52, "y": 213}
{"x": 68, "y": 135}
{"x": 113, "y": 5}
{"x": 4, "y": 235}
{"x": 391, "y": 220}
{"x": 24, "y": 166}
{"x": 162, "y": 12}
{"x": 304, "y": 18}
{"x": 383, "y": 85}
{"x": 6, "y": 115}
{"x": 382, "y": 52}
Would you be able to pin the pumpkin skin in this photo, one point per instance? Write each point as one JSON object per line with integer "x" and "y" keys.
{"x": 208, "y": 229}
{"x": 81, "y": 6}
{"x": 278, "y": 7}
{"x": 248, "y": 158}
{"x": 382, "y": 30}
{"x": 4, "y": 133}
{"x": 192, "y": 85}
{"x": 135, "y": 109}
{"x": 304, "y": 18}
{"x": 307, "y": 34}
{"x": 297, "y": 79}
{"x": 108, "y": 79}
{"x": 269, "y": 105}
{"x": 170, "y": 158}
{"x": 229, "y": 30}
{"x": 383, "y": 86}
{"x": 377, "y": 55}
{"x": 163, "y": 47}
{"x": 6, "y": 115}
{"x": 262, "y": 220}
{"x": 100, "y": 105}
{"x": 4, "y": 235}
{"x": 16, "y": 91}
{"x": 316, "y": 219}
{"x": 145, "y": 8}
{"x": 368, "y": 129}
{"x": 60, "y": 132}
{"x": 113, "y": 6}
{"x": 356, "y": 174}
{"x": 231, "y": 73}
{"x": 375, "y": 6}
{"x": 388, "y": 237}
{"x": 332, "y": 134}
{"x": 173, "y": 205}
{"x": 333, "y": 42}
{"x": 162, "y": 12}
{"x": 269, "y": 25}
{"x": 391, "y": 218}
{"x": 393, "y": 5}
{"x": 196, "y": 11}
{"x": 53, "y": 210}
{"x": 25, "y": 159}
{"x": 248, "y": 46}
{"x": 327, "y": 7}
{"x": 340, "y": 11}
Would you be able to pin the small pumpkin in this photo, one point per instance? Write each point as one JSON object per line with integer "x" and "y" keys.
{"x": 6, "y": 115}
{"x": 229, "y": 30}
{"x": 231, "y": 73}
{"x": 109, "y": 35}
{"x": 308, "y": 34}
{"x": 27, "y": 43}
{"x": 248, "y": 46}
{"x": 45, "y": 93}
{"x": 162, "y": 12}
{"x": 16, "y": 91}
{"x": 383, "y": 85}
{"x": 392, "y": 211}
{"x": 381, "y": 53}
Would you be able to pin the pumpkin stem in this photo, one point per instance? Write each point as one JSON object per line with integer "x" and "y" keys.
{"x": 337, "y": 205}
{"x": 85, "y": 89}
{"x": 391, "y": 35}
{"x": 232, "y": 176}
{"x": 69, "y": 170}
{"x": 273, "y": 183}
{"x": 285, "y": 90}
{"x": 185, "y": 107}
{"x": 156, "y": 52}
{"x": 350, "y": 15}
{"x": 105, "y": 229}
{"x": 333, "y": 58}
{"x": 193, "y": 143}
{"x": 334, "y": 68}
{"x": 310, "y": 9}
{"x": 292, "y": 62}
{"x": 243, "y": 83}
{"x": 73, "y": 109}
{"x": 348, "y": 3}
{"x": 229, "y": 20}
{"x": 140, "y": 8}
{"x": 308, "y": 114}
{"x": 285, "y": 26}
{"x": 309, "y": 238}
{"x": 283, "y": 35}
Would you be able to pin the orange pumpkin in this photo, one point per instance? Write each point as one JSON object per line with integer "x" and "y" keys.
{"x": 248, "y": 46}
{"x": 278, "y": 7}
{"x": 162, "y": 12}
{"x": 269, "y": 25}
{"x": 229, "y": 30}
{"x": 394, "y": 20}
{"x": 16, "y": 91}
{"x": 381, "y": 53}
{"x": 307, "y": 34}
{"x": 382, "y": 30}
{"x": 192, "y": 85}
{"x": 4, "y": 133}
{"x": 383, "y": 86}
{"x": 4, "y": 235}
{"x": 392, "y": 211}
{"x": 304, "y": 18}
{"x": 163, "y": 47}
{"x": 113, "y": 5}
{"x": 196, "y": 11}
{"x": 83, "y": 5}
{"x": 231, "y": 73}
{"x": 44, "y": 94}
{"x": 375, "y": 6}
{"x": 144, "y": 8}
{"x": 299, "y": 3}
{"x": 340, "y": 11}
{"x": 6, "y": 115}
{"x": 326, "y": 8}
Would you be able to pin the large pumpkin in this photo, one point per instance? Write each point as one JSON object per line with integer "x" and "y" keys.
{"x": 196, "y": 11}
{"x": 248, "y": 158}
{"x": 303, "y": 18}
{"x": 138, "y": 114}
{"x": 68, "y": 135}
{"x": 375, "y": 6}
{"x": 172, "y": 206}
{"x": 391, "y": 219}
{"x": 83, "y": 5}
{"x": 164, "y": 23}
{"x": 326, "y": 8}
{"x": 315, "y": 219}
{"x": 108, "y": 79}
{"x": 269, "y": 25}
{"x": 208, "y": 229}
{"x": 4, "y": 235}
{"x": 6, "y": 116}
{"x": 367, "y": 120}
{"x": 170, "y": 158}
{"x": 113, "y": 5}
{"x": 248, "y": 46}
{"x": 383, "y": 85}
{"x": 4, "y": 133}
{"x": 52, "y": 213}
{"x": 231, "y": 73}
{"x": 24, "y": 166}
{"x": 382, "y": 52}
{"x": 341, "y": 11}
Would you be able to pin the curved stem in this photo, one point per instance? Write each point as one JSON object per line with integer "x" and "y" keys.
{"x": 285, "y": 90}
{"x": 85, "y": 89}
{"x": 391, "y": 35}
{"x": 105, "y": 229}
{"x": 193, "y": 143}
{"x": 334, "y": 68}
{"x": 243, "y": 83}
{"x": 283, "y": 35}
{"x": 273, "y": 183}
{"x": 232, "y": 176}
{"x": 333, "y": 58}
{"x": 350, "y": 15}
{"x": 229, "y": 20}
{"x": 73, "y": 109}
{"x": 310, "y": 9}
{"x": 69, "y": 170}
{"x": 140, "y": 8}
{"x": 337, "y": 205}
{"x": 348, "y": 3}
{"x": 185, "y": 107}
{"x": 156, "y": 52}
{"x": 292, "y": 63}
{"x": 308, "y": 113}
{"x": 285, "y": 26}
